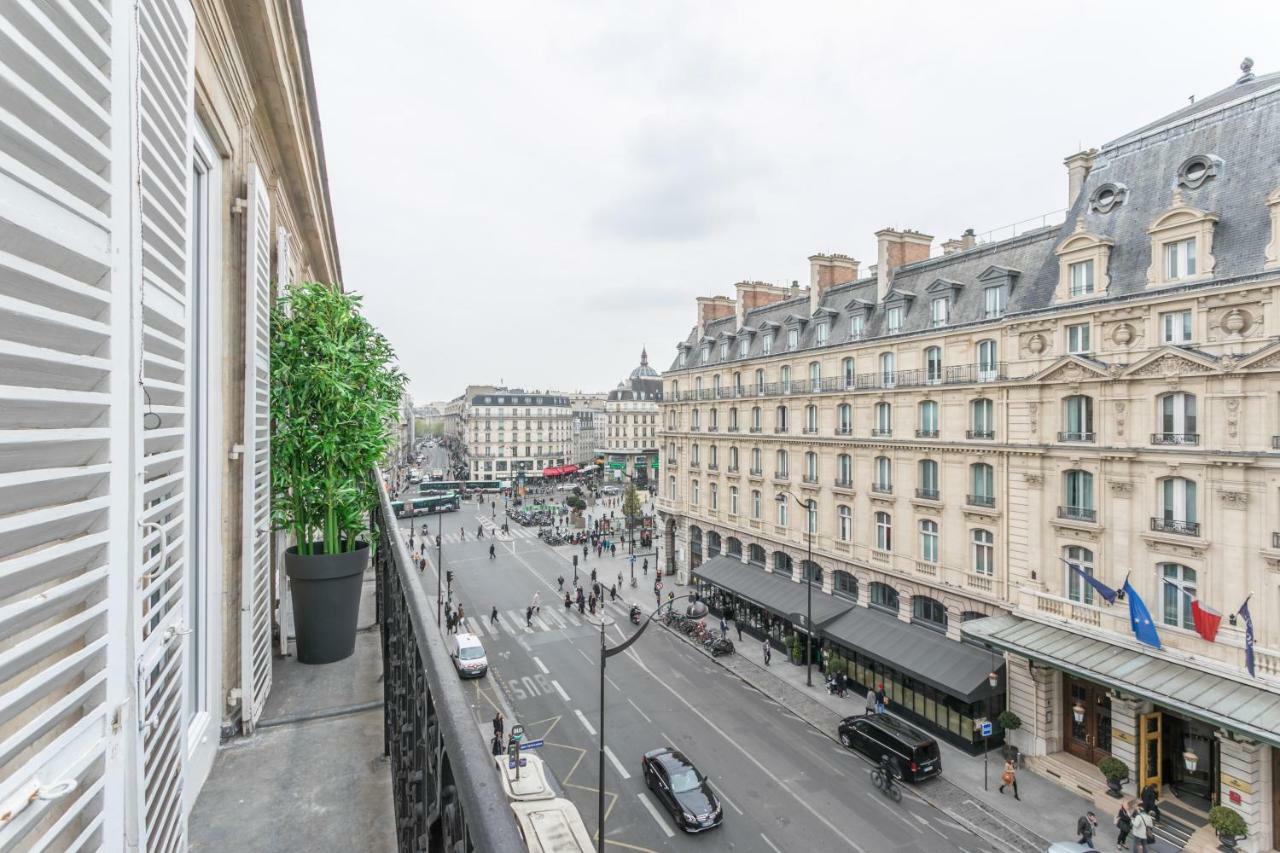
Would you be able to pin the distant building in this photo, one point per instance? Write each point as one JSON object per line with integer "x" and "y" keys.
{"x": 497, "y": 432}
{"x": 588, "y": 422}
{"x": 628, "y": 439}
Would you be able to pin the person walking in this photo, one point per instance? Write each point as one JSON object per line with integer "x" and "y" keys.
{"x": 448, "y": 621}
{"x": 646, "y": 567}
{"x": 724, "y": 628}
{"x": 528, "y": 616}
{"x": 493, "y": 615}
{"x": 1149, "y": 797}
{"x": 593, "y": 575}
{"x": 871, "y": 701}
{"x": 1009, "y": 778}
{"x": 422, "y": 565}
{"x": 737, "y": 623}
{"x": 1085, "y": 828}
{"x": 560, "y": 582}
{"x": 581, "y": 602}
{"x": 491, "y": 556}
{"x": 458, "y": 621}
{"x": 537, "y": 602}
{"x": 591, "y": 604}
{"x": 1124, "y": 823}
{"x": 568, "y": 602}
{"x": 499, "y": 725}
{"x": 765, "y": 651}
{"x": 1142, "y": 829}
{"x": 880, "y": 698}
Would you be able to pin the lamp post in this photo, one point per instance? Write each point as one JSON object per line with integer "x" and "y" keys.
{"x": 808, "y": 583}
{"x": 697, "y": 611}
{"x": 993, "y": 678}
{"x": 439, "y": 560}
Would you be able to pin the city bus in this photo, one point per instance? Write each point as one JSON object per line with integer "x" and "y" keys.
{"x": 437, "y": 503}
{"x": 398, "y": 507}
{"x": 485, "y": 486}
{"x": 441, "y": 487}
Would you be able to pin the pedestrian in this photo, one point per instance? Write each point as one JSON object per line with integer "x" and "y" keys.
{"x": 493, "y": 615}
{"x": 737, "y": 623}
{"x": 1142, "y": 829}
{"x": 724, "y": 628}
{"x": 593, "y": 575}
{"x": 448, "y": 620}
{"x": 613, "y": 592}
{"x": 880, "y": 698}
{"x": 613, "y": 549}
{"x": 422, "y": 565}
{"x": 1085, "y": 827}
{"x": 580, "y": 603}
{"x": 498, "y": 724}
{"x": 1009, "y": 778}
{"x": 765, "y": 651}
{"x": 1124, "y": 823}
{"x": 491, "y": 552}
{"x": 568, "y": 602}
{"x": 537, "y": 602}
{"x": 458, "y": 621}
{"x": 871, "y": 701}
{"x": 646, "y": 566}
{"x": 657, "y": 597}
{"x": 591, "y": 604}
{"x": 1149, "y": 796}
{"x": 528, "y": 616}
{"x": 560, "y": 582}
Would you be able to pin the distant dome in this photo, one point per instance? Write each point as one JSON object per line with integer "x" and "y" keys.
{"x": 644, "y": 371}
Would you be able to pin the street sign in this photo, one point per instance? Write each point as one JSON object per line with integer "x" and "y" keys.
{"x": 517, "y": 732}
{"x": 533, "y": 744}
{"x": 511, "y": 764}
{"x": 986, "y": 728}
{"x": 657, "y": 584}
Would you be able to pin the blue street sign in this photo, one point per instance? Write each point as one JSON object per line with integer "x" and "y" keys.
{"x": 986, "y": 729}
{"x": 511, "y": 765}
{"x": 533, "y": 744}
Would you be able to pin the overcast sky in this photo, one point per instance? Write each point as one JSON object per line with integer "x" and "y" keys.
{"x": 529, "y": 192}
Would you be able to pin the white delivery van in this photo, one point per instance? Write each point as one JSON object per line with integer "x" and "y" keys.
{"x": 468, "y": 656}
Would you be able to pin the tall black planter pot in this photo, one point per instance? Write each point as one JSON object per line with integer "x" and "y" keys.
{"x": 325, "y": 589}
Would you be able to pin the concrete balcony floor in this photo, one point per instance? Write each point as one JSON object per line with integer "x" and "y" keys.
{"x": 302, "y": 784}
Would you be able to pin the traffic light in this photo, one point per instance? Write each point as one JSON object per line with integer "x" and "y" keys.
{"x": 448, "y": 576}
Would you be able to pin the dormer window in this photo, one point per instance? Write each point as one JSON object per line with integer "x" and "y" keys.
{"x": 706, "y": 353}
{"x": 993, "y": 302}
{"x": 1081, "y": 274}
{"x": 767, "y": 346}
{"x": 684, "y": 358}
{"x": 856, "y": 325}
{"x": 724, "y": 350}
{"x": 938, "y": 311}
{"x": 793, "y": 339}
{"x": 1179, "y": 259}
{"x": 895, "y": 319}
{"x": 744, "y": 347}
{"x": 1181, "y": 244}
{"x": 820, "y": 334}
{"x": 1082, "y": 265}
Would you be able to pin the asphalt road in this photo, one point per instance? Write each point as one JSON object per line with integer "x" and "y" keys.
{"x": 784, "y": 786}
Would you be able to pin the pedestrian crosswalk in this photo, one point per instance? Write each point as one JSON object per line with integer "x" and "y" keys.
{"x": 551, "y": 617}
{"x": 490, "y": 534}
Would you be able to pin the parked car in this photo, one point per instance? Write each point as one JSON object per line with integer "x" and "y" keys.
{"x": 681, "y": 789}
{"x": 468, "y": 656}
{"x": 912, "y": 754}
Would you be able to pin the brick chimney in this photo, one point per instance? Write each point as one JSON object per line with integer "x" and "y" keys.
{"x": 753, "y": 294}
{"x": 826, "y": 271}
{"x": 1078, "y": 166}
{"x": 712, "y": 308}
{"x": 963, "y": 243}
{"x": 896, "y": 249}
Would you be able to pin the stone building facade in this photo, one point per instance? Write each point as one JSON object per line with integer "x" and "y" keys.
{"x": 510, "y": 430}
{"x": 628, "y": 442}
{"x": 968, "y": 435}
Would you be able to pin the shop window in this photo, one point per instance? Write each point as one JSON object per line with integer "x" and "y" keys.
{"x": 811, "y": 572}
{"x": 782, "y": 563}
{"x": 884, "y": 597}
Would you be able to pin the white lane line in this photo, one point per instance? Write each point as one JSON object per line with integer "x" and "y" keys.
{"x": 772, "y": 846}
{"x": 517, "y": 619}
{"x": 584, "y": 654}
{"x": 582, "y": 718}
{"x": 653, "y": 812}
{"x": 615, "y": 687}
{"x": 720, "y": 793}
{"x": 489, "y": 629}
{"x": 637, "y": 707}
{"x": 622, "y": 771}
{"x": 542, "y": 666}
{"x": 560, "y": 690}
{"x": 816, "y": 733}
{"x": 879, "y": 799}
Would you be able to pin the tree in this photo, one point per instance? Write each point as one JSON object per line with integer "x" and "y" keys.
{"x": 631, "y": 502}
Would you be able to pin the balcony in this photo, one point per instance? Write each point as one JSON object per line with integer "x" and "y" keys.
{"x": 1078, "y": 513}
{"x": 980, "y": 434}
{"x": 1169, "y": 525}
{"x": 732, "y": 429}
{"x": 881, "y": 433}
{"x": 713, "y": 428}
{"x": 781, "y": 476}
{"x": 755, "y": 430}
{"x": 756, "y": 472}
{"x": 988, "y": 501}
{"x": 779, "y": 429}
{"x": 809, "y": 480}
{"x": 843, "y": 483}
{"x": 882, "y": 488}
{"x": 810, "y": 430}
{"x": 926, "y": 433}
{"x": 844, "y": 430}
{"x": 1075, "y": 436}
{"x": 1180, "y": 439}
{"x": 927, "y": 494}
{"x": 732, "y": 469}
{"x": 711, "y": 466}
{"x": 695, "y": 464}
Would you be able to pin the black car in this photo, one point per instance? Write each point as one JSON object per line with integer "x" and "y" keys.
{"x": 684, "y": 791}
{"x": 912, "y": 754}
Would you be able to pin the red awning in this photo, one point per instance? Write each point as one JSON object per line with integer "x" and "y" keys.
{"x": 569, "y": 469}
{"x": 551, "y": 472}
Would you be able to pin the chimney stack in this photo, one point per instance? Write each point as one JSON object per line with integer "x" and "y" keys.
{"x": 1078, "y": 166}
{"x": 712, "y": 308}
{"x": 963, "y": 243}
{"x": 753, "y": 294}
{"x": 896, "y": 249}
{"x": 826, "y": 271}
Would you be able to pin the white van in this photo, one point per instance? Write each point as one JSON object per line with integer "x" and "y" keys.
{"x": 468, "y": 656}
{"x": 552, "y": 826}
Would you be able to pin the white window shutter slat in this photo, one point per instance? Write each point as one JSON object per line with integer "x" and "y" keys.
{"x": 162, "y": 408}
{"x": 284, "y": 602}
{"x": 256, "y": 604}
{"x": 63, "y": 322}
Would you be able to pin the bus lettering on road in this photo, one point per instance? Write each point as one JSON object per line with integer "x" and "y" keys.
{"x": 530, "y": 686}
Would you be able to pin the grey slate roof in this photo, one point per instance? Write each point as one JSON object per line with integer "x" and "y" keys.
{"x": 770, "y": 590}
{"x": 1238, "y": 125}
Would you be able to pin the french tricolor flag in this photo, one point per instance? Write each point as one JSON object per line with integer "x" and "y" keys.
{"x": 1206, "y": 619}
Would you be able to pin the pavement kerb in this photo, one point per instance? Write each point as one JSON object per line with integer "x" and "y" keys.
{"x": 826, "y": 722}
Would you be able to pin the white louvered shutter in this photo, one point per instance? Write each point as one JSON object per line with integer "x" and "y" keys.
{"x": 63, "y": 327}
{"x": 255, "y": 607}
{"x": 162, "y": 408}
{"x": 280, "y": 541}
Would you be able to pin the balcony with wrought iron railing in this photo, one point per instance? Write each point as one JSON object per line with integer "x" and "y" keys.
{"x": 844, "y": 430}
{"x": 882, "y": 488}
{"x": 1077, "y": 513}
{"x": 927, "y": 494}
{"x": 1171, "y": 525}
{"x": 926, "y": 433}
{"x": 1176, "y": 439}
{"x": 980, "y": 434}
{"x": 958, "y": 374}
{"x": 988, "y": 501}
{"x": 1075, "y": 437}
{"x": 881, "y": 433}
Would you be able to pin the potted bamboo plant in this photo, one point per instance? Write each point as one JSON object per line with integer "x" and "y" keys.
{"x": 335, "y": 391}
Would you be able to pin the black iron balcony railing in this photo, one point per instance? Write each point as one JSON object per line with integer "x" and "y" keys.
{"x": 927, "y": 494}
{"x": 756, "y": 472}
{"x": 1171, "y": 525}
{"x": 1176, "y": 438}
{"x": 881, "y": 433}
{"x": 984, "y": 434}
{"x": 1075, "y": 436}
{"x": 882, "y": 488}
{"x": 442, "y": 775}
{"x": 844, "y": 430}
{"x": 1077, "y": 513}
{"x": 810, "y": 430}
{"x": 981, "y": 500}
{"x": 958, "y": 374}
{"x": 843, "y": 483}
{"x": 926, "y": 433}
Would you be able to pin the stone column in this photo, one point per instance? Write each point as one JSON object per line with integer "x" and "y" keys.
{"x": 1244, "y": 785}
{"x": 1125, "y": 711}
{"x": 1032, "y": 692}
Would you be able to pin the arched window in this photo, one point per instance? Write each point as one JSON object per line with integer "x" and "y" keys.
{"x": 811, "y": 419}
{"x": 1077, "y": 418}
{"x": 844, "y": 585}
{"x": 737, "y": 381}
{"x": 755, "y": 553}
{"x": 695, "y": 419}
{"x": 884, "y": 531}
{"x": 844, "y": 470}
{"x": 733, "y": 547}
{"x": 713, "y": 493}
{"x": 713, "y": 418}
{"x": 733, "y": 419}
{"x": 884, "y": 475}
{"x": 695, "y": 455}
{"x": 715, "y": 383}
{"x": 846, "y": 372}
{"x": 675, "y": 389}
{"x": 759, "y": 380}
{"x": 1176, "y": 417}
{"x": 1179, "y": 589}
{"x": 782, "y": 563}
{"x": 984, "y": 552}
{"x": 884, "y": 597}
{"x": 1177, "y": 506}
{"x": 694, "y": 492}
{"x": 933, "y": 365}
{"x": 713, "y": 457}
{"x": 755, "y": 419}
{"x": 928, "y": 612}
{"x": 988, "y": 361}
{"x": 755, "y": 505}
{"x": 982, "y": 485}
{"x": 784, "y": 378}
{"x": 845, "y": 517}
{"x": 733, "y": 500}
{"x": 844, "y": 419}
{"x": 1078, "y": 589}
{"x": 815, "y": 376}
{"x": 929, "y": 540}
{"x": 757, "y": 461}
{"x": 810, "y": 466}
{"x": 887, "y": 368}
{"x": 780, "y": 419}
{"x": 884, "y": 420}
{"x": 697, "y": 385}
{"x": 928, "y": 413}
{"x": 733, "y": 459}
{"x": 982, "y": 419}
{"x": 1077, "y": 495}
{"x": 783, "y": 510}
{"x": 928, "y": 480}
{"x": 671, "y": 487}
{"x": 744, "y": 347}
{"x": 811, "y": 572}
{"x": 781, "y": 469}
{"x": 811, "y": 516}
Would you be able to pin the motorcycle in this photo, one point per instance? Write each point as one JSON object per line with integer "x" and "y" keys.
{"x": 722, "y": 647}
{"x": 635, "y": 614}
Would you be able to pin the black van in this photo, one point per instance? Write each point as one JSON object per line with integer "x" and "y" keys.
{"x": 912, "y": 753}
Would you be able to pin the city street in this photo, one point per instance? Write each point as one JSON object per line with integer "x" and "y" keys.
{"x": 784, "y": 786}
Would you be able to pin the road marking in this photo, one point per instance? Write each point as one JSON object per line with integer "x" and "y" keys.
{"x": 728, "y": 802}
{"x": 637, "y": 707}
{"x": 560, "y": 690}
{"x": 816, "y": 733}
{"x": 488, "y": 627}
{"x": 879, "y": 798}
{"x": 622, "y": 771}
{"x": 542, "y": 666}
{"x": 615, "y": 687}
{"x": 668, "y": 738}
{"x": 517, "y": 619}
{"x": 653, "y": 812}
{"x": 772, "y": 846}
{"x": 582, "y": 718}
{"x": 584, "y": 655}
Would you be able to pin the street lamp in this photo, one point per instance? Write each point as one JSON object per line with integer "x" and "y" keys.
{"x": 697, "y": 610}
{"x": 808, "y": 582}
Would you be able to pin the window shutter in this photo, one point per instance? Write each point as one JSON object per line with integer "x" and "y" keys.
{"x": 255, "y": 606}
{"x": 163, "y": 317}
{"x": 62, "y": 326}
{"x": 284, "y": 259}
{"x": 280, "y": 541}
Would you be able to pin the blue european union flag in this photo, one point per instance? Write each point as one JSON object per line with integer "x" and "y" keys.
{"x": 1140, "y": 618}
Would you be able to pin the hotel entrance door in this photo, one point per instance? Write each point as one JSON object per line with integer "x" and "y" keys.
{"x": 1086, "y": 719}
{"x": 1150, "y": 735}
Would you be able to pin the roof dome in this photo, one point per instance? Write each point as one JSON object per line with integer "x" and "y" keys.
{"x": 644, "y": 371}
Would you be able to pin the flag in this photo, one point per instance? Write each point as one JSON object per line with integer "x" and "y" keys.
{"x": 1108, "y": 594}
{"x": 1248, "y": 636}
{"x": 1206, "y": 618}
{"x": 1140, "y": 618}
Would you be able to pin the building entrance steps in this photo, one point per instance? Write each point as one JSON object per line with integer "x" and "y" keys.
{"x": 1071, "y": 772}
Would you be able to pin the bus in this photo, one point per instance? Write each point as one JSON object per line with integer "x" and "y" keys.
{"x": 485, "y": 486}
{"x": 398, "y": 507}
{"x": 441, "y": 487}
{"x": 437, "y": 503}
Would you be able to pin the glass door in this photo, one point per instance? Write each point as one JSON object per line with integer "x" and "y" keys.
{"x": 1151, "y": 731}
